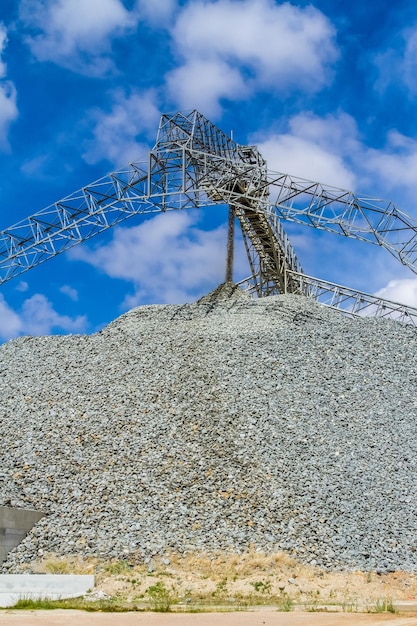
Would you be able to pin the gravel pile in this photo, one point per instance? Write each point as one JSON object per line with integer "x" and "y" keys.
{"x": 216, "y": 425}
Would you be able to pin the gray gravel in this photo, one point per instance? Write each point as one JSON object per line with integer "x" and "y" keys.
{"x": 216, "y": 425}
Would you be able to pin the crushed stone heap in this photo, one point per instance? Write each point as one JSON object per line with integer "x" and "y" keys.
{"x": 222, "y": 424}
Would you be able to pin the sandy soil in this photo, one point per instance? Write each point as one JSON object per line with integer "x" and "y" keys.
{"x": 242, "y": 581}
{"x": 258, "y": 618}
{"x": 260, "y": 586}
{"x": 248, "y": 579}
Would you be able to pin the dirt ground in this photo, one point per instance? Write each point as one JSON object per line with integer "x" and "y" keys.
{"x": 250, "y": 589}
{"x": 239, "y": 581}
{"x": 257, "y": 618}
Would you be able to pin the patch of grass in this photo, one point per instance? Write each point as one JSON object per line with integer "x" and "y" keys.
{"x": 160, "y": 598}
{"x": 221, "y": 589}
{"x": 313, "y": 600}
{"x": 384, "y": 605}
{"x": 349, "y": 604}
{"x": 200, "y": 581}
{"x": 71, "y": 564}
{"x": 107, "y": 606}
{"x": 41, "y": 603}
{"x": 57, "y": 566}
{"x": 118, "y": 567}
{"x": 236, "y": 565}
{"x": 262, "y": 586}
{"x": 285, "y": 603}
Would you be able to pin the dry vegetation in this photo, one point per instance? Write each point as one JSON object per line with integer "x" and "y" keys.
{"x": 202, "y": 581}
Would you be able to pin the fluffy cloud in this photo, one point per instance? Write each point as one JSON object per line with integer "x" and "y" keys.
{"x": 8, "y": 106}
{"x": 256, "y": 42}
{"x": 167, "y": 258}
{"x": 396, "y": 164}
{"x": 300, "y": 157}
{"x": 8, "y": 111}
{"x": 330, "y": 150}
{"x": 36, "y": 317}
{"x": 409, "y": 64}
{"x": 156, "y": 12}
{"x": 403, "y": 290}
{"x": 22, "y": 286}
{"x": 116, "y": 134}
{"x": 10, "y": 322}
{"x": 70, "y": 292}
{"x": 75, "y": 33}
{"x": 3, "y": 42}
{"x": 205, "y": 84}
{"x": 39, "y": 318}
{"x": 314, "y": 148}
{"x": 397, "y": 63}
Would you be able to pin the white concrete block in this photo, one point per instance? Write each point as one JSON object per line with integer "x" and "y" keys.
{"x": 39, "y": 586}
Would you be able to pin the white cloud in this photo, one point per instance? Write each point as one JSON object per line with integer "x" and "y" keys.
{"x": 10, "y": 322}
{"x": 3, "y": 43}
{"x": 204, "y": 84}
{"x": 70, "y": 292}
{"x": 36, "y": 317}
{"x": 397, "y": 64}
{"x": 303, "y": 158}
{"x": 409, "y": 67}
{"x": 330, "y": 150}
{"x": 167, "y": 258}
{"x": 337, "y": 132}
{"x": 396, "y": 164}
{"x": 117, "y": 135}
{"x": 39, "y": 318}
{"x": 156, "y": 12}
{"x": 314, "y": 148}
{"x": 22, "y": 286}
{"x": 8, "y": 106}
{"x": 75, "y": 33}
{"x": 38, "y": 166}
{"x": 263, "y": 44}
{"x": 403, "y": 291}
{"x": 8, "y": 111}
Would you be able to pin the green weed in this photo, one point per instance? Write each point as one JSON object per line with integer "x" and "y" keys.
{"x": 262, "y": 586}
{"x": 285, "y": 603}
{"x": 160, "y": 598}
{"x": 118, "y": 567}
{"x": 384, "y": 605}
{"x": 221, "y": 589}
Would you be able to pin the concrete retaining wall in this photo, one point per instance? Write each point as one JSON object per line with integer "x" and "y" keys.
{"x": 14, "y": 526}
{"x": 42, "y": 586}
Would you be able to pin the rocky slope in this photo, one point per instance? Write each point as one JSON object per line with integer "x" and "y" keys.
{"x": 216, "y": 425}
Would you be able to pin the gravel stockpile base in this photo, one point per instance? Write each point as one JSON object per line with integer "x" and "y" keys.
{"x": 231, "y": 422}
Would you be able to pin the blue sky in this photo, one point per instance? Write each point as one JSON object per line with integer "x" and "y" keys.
{"x": 327, "y": 90}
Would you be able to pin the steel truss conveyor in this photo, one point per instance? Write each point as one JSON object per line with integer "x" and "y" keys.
{"x": 195, "y": 165}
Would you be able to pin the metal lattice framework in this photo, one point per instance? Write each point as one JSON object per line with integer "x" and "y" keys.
{"x": 194, "y": 165}
{"x": 350, "y": 302}
{"x": 353, "y": 302}
{"x": 339, "y": 211}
